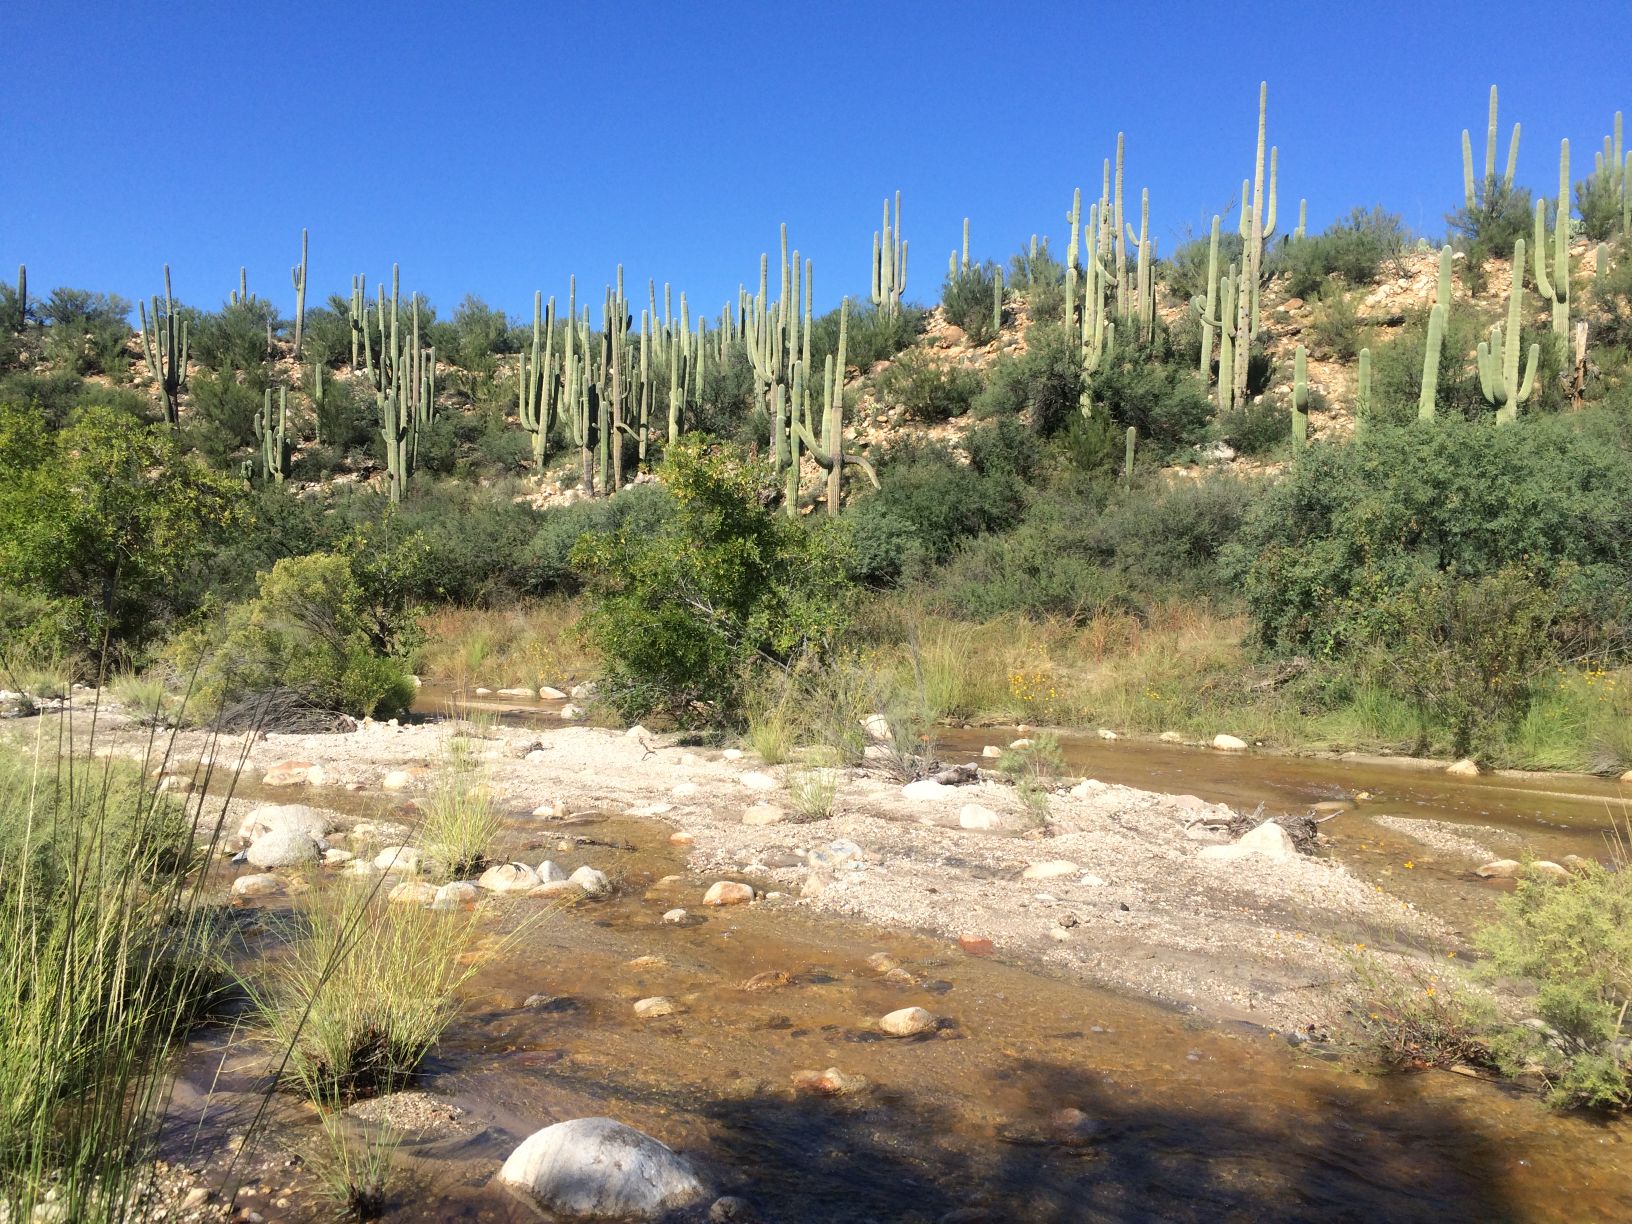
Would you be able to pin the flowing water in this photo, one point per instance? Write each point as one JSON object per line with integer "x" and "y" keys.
{"x": 1038, "y": 1099}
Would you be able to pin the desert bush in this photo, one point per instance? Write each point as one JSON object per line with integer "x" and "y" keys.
{"x": 927, "y": 389}
{"x": 1336, "y": 330}
{"x": 966, "y": 300}
{"x": 547, "y": 558}
{"x": 1573, "y": 940}
{"x": 1036, "y": 275}
{"x": 309, "y": 631}
{"x": 234, "y": 337}
{"x": 1408, "y": 1018}
{"x": 1323, "y": 550}
{"x": 682, "y": 615}
{"x": 224, "y": 411}
{"x": 871, "y": 335}
{"x": 1256, "y": 427}
{"x": 1046, "y": 381}
{"x": 1355, "y": 250}
{"x": 1611, "y": 300}
{"x": 86, "y": 332}
{"x": 345, "y": 419}
{"x": 1185, "y": 274}
{"x": 1033, "y": 768}
{"x": 1149, "y": 386}
{"x": 326, "y": 336}
{"x": 1500, "y": 216}
{"x": 1396, "y": 371}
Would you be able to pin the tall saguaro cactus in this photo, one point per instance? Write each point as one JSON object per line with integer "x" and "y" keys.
{"x": 1555, "y": 285}
{"x": 164, "y": 344}
{"x": 537, "y": 389}
{"x": 1300, "y": 399}
{"x": 889, "y": 262}
{"x": 1438, "y": 317}
{"x": 402, "y": 372}
{"x": 1499, "y": 357}
{"x": 271, "y": 430}
{"x": 297, "y": 274}
{"x": 1257, "y": 227}
{"x": 1483, "y": 192}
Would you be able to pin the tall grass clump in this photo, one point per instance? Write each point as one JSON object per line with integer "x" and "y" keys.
{"x": 103, "y": 964}
{"x": 460, "y": 819}
{"x": 362, "y": 992}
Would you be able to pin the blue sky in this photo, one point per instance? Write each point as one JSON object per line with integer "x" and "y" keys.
{"x": 496, "y": 148}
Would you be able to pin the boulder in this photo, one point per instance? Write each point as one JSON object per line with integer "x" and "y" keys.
{"x": 763, "y": 814}
{"x": 927, "y": 789}
{"x": 1467, "y": 767}
{"x": 336, "y": 858}
{"x": 1549, "y": 870}
{"x": 601, "y": 1169}
{"x": 453, "y": 896}
{"x": 1021, "y": 744}
{"x": 593, "y": 882}
{"x": 754, "y": 780}
{"x": 991, "y": 750}
{"x": 399, "y": 858}
{"x": 1268, "y": 840}
{"x": 973, "y": 816}
{"x": 546, "y": 693}
{"x": 728, "y": 892}
{"x": 294, "y": 817}
{"x": 260, "y": 885}
{"x": 404, "y": 779}
{"x": 878, "y": 729}
{"x": 907, "y": 1022}
{"x": 1229, "y": 743}
{"x": 1050, "y": 870}
{"x": 1087, "y": 788}
{"x": 283, "y": 848}
{"x": 1501, "y": 869}
{"x": 176, "y": 784}
{"x": 654, "y": 1008}
{"x": 549, "y": 872}
{"x": 414, "y": 892}
{"x": 509, "y": 877}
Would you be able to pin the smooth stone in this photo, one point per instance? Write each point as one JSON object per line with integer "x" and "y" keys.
{"x": 1020, "y": 745}
{"x": 686, "y": 790}
{"x": 599, "y": 1168}
{"x": 1107, "y": 734}
{"x": 549, "y": 872}
{"x": 1229, "y": 743}
{"x": 554, "y": 809}
{"x": 404, "y": 779}
{"x": 763, "y": 814}
{"x": 555, "y": 888}
{"x": 456, "y": 894}
{"x": 907, "y": 1022}
{"x": 757, "y": 781}
{"x": 414, "y": 892}
{"x": 878, "y": 728}
{"x": 288, "y": 773}
{"x": 570, "y": 713}
{"x": 675, "y": 917}
{"x": 1501, "y": 869}
{"x": 652, "y": 1008}
{"x": 261, "y": 885}
{"x": 733, "y": 754}
{"x": 283, "y": 848}
{"x": 546, "y": 693}
{"x": 1268, "y": 840}
{"x": 975, "y": 945}
{"x": 516, "y": 692}
{"x": 1549, "y": 870}
{"x": 973, "y": 816}
{"x": 831, "y": 1082}
{"x": 1050, "y": 870}
{"x": 926, "y": 789}
{"x": 592, "y": 881}
{"x": 398, "y": 858}
{"x": 333, "y": 857}
{"x": 296, "y": 817}
{"x": 509, "y": 877}
{"x": 681, "y": 838}
{"x": 728, "y": 892}
{"x": 1092, "y": 881}
{"x": 1467, "y": 767}
{"x": 991, "y": 751}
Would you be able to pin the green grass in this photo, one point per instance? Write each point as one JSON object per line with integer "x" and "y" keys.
{"x": 460, "y": 819}
{"x": 103, "y": 965}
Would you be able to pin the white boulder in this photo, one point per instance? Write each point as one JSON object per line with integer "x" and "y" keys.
{"x": 601, "y": 1169}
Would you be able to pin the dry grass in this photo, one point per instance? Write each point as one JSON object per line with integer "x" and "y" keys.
{"x": 523, "y": 646}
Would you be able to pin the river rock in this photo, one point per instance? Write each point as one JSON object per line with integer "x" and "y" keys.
{"x": 283, "y": 848}
{"x": 1229, "y": 743}
{"x": 1088, "y": 788}
{"x": 907, "y": 1022}
{"x": 1021, "y": 744}
{"x": 1467, "y": 767}
{"x": 260, "y": 885}
{"x": 546, "y": 693}
{"x": 456, "y": 894}
{"x": 675, "y": 917}
{"x": 404, "y": 779}
{"x": 878, "y": 729}
{"x": 1549, "y": 870}
{"x": 754, "y": 780}
{"x": 570, "y": 713}
{"x": 509, "y": 877}
{"x": 289, "y": 773}
{"x": 517, "y": 692}
{"x": 1501, "y": 869}
{"x": 549, "y": 872}
{"x": 399, "y": 858}
{"x": 763, "y": 814}
{"x": 729, "y": 1209}
{"x": 1050, "y": 870}
{"x": 554, "y": 809}
{"x": 927, "y": 789}
{"x": 1106, "y": 734}
{"x": 293, "y": 817}
{"x": 831, "y": 1082}
{"x": 333, "y": 857}
{"x": 975, "y": 945}
{"x": 654, "y": 1007}
{"x": 686, "y": 790}
{"x": 732, "y": 754}
{"x": 681, "y": 838}
{"x": 990, "y": 751}
{"x": 1171, "y": 737}
{"x": 1268, "y": 839}
{"x": 833, "y": 855}
{"x": 593, "y": 882}
{"x": 728, "y": 892}
{"x": 414, "y": 892}
{"x": 599, "y": 1168}
{"x": 973, "y": 816}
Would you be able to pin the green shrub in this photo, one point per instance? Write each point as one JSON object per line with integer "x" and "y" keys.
{"x": 1354, "y": 249}
{"x": 234, "y": 337}
{"x": 326, "y": 336}
{"x": 927, "y": 389}
{"x": 1396, "y": 371}
{"x": 1351, "y": 525}
{"x": 1573, "y": 939}
{"x": 1186, "y": 272}
{"x": 547, "y": 559}
{"x": 1040, "y": 279}
{"x": 1336, "y": 331}
{"x": 310, "y": 632}
{"x": 474, "y": 336}
{"x": 52, "y": 394}
{"x": 682, "y": 616}
{"x": 1148, "y": 385}
{"x": 1487, "y": 231}
{"x": 1256, "y": 427}
{"x": 224, "y": 411}
{"x": 1611, "y": 301}
{"x": 1046, "y": 381}
{"x": 347, "y": 419}
{"x": 966, "y": 300}
{"x": 871, "y": 335}
{"x": 86, "y": 332}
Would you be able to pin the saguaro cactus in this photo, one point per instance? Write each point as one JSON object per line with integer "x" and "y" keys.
{"x": 271, "y": 431}
{"x": 402, "y": 373}
{"x": 1499, "y": 379}
{"x": 1555, "y": 285}
{"x": 1481, "y": 193}
{"x": 1362, "y": 392}
{"x": 164, "y": 344}
{"x": 1257, "y": 227}
{"x": 1300, "y": 399}
{"x": 830, "y": 454}
{"x": 537, "y": 388}
{"x": 1438, "y": 316}
{"x": 298, "y": 275}
{"x": 889, "y": 261}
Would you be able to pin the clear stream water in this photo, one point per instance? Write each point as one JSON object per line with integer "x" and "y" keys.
{"x": 1173, "y": 1121}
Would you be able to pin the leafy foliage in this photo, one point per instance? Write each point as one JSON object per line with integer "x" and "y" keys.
{"x": 927, "y": 389}
{"x": 966, "y": 298}
{"x": 1354, "y": 249}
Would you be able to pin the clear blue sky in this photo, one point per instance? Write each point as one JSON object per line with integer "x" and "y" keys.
{"x": 496, "y": 148}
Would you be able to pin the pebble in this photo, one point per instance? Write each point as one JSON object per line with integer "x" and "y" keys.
{"x": 907, "y": 1022}
{"x": 257, "y": 886}
{"x": 676, "y": 917}
{"x": 831, "y": 1082}
{"x": 681, "y": 838}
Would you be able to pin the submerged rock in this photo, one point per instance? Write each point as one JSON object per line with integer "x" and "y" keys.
{"x": 458, "y": 893}
{"x": 592, "y": 881}
{"x": 260, "y": 885}
{"x": 728, "y": 892}
{"x": 599, "y": 1169}
{"x": 907, "y": 1022}
{"x": 1467, "y": 767}
{"x": 509, "y": 877}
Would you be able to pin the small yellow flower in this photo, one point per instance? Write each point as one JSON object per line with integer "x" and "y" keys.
{"x": 1409, "y": 863}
